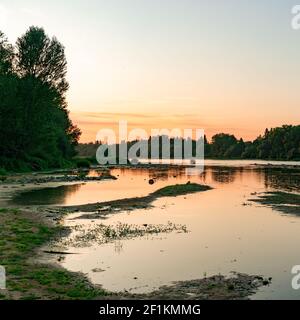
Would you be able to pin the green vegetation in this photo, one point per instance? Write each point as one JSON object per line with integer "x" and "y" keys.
{"x": 83, "y": 163}
{"x": 281, "y": 143}
{"x": 180, "y": 189}
{"x": 36, "y": 132}
{"x": 3, "y": 174}
{"x": 21, "y": 234}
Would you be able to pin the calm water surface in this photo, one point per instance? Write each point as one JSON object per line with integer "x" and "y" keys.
{"x": 225, "y": 234}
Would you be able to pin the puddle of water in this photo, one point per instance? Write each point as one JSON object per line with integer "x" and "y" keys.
{"x": 225, "y": 234}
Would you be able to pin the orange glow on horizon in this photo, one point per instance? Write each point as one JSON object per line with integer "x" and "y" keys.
{"x": 91, "y": 122}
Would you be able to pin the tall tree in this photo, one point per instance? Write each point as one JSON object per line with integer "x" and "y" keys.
{"x": 6, "y": 55}
{"x": 35, "y": 128}
{"x": 43, "y": 58}
{"x": 221, "y": 142}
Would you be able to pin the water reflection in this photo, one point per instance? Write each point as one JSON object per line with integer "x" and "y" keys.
{"x": 286, "y": 180}
{"x": 134, "y": 182}
{"x": 225, "y": 174}
{"x": 49, "y": 196}
{"x": 224, "y": 234}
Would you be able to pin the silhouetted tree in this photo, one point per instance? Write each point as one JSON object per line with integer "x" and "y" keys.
{"x": 42, "y": 58}
{"x": 276, "y": 144}
{"x": 6, "y": 55}
{"x": 35, "y": 129}
{"x": 221, "y": 143}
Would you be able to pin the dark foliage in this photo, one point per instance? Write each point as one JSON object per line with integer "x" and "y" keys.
{"x": 35, "y": 129}
{"x": 281, "y": 143}
{"x": 276, "y": 144}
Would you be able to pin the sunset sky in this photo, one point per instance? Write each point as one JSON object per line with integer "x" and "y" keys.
{"x": 222, "y": 65}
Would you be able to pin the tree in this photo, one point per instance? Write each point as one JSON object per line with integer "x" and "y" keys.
{"x": 42, "y": 58}
{"x": 221, "y": 142}
{"x": 35, "y": 128}
{"x": 236, "y": 150}
{"x": 6, "y": 55}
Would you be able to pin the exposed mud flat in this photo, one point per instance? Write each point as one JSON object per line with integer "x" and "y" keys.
{"x": 236, "y": 287}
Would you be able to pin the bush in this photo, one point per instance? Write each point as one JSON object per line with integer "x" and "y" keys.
{"x": 82, "y": 175}
{"x": 83, "y": 164}
{"x": 3, "y": 172}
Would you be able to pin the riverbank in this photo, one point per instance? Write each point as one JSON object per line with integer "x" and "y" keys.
{"x": 57, "y": 177}
{"x": 24, "y": 232}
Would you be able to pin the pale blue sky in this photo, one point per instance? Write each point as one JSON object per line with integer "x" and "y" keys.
{"x": 229, "y": 64}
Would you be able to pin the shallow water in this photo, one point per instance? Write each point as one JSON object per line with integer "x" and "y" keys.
{"x": 226, "y": 232}
{"x": 134, "y": 182}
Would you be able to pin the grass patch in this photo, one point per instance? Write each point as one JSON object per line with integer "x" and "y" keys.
{"x": 180, "y": 189}
{"x": 21, "y": 234}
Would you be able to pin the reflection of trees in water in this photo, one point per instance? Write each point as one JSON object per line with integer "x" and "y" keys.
{"x": 162, "y": 174}
{"x": 277, "y": 178}
{"x": 283, "y": 179}
{"x": 46, "y": 196}
{"x": 218, "y": 174}
{"x": 176, "y": 174}
{"x": 225, "y": 174}
{"x": 203, "y": 176}
{"x": 166, "y": 174}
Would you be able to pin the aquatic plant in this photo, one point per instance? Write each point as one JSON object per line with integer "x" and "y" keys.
{"x": 86, "y": 235}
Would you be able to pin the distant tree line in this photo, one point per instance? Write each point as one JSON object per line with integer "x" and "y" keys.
{"x": 35, "y": 129}
{"x": 281, "y": 143}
